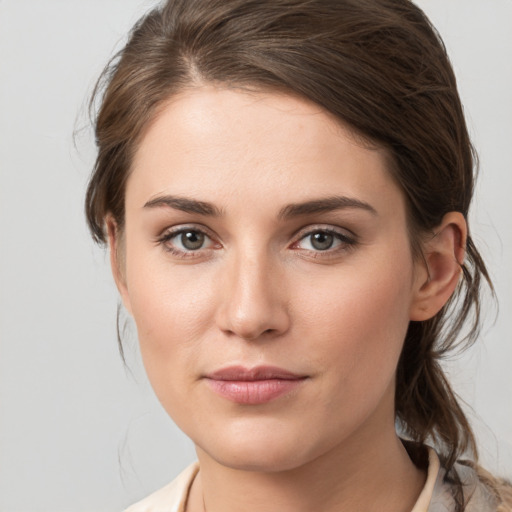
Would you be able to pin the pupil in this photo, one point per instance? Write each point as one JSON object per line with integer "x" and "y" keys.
{"x": 322, "y": 241}
{"x": 192, "y": 240}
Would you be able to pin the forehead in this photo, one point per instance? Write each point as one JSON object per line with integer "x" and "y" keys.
{"x": 266, "y": 148}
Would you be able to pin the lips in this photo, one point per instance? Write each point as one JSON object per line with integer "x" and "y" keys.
{"x": 253, "y": 386}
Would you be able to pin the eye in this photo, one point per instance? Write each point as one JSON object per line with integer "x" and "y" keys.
{"x": 323, "y": 240}
{"x": 184, "y": 241}
{"x": 191, "y": 240}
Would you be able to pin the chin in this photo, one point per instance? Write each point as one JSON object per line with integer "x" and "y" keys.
{"x": 262, "y": 459}
{"x": 261, "y": 450}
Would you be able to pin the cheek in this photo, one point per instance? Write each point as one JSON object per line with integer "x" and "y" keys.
{"x": 360, "y": 320}
{"x": 171, "y": 318}
{"x": 172, "y": 308}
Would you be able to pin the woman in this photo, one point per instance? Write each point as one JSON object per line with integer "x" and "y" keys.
{"x": 284, "y": 186}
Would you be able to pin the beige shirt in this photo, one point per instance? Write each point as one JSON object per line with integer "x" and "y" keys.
{"x": 436, "y": 495}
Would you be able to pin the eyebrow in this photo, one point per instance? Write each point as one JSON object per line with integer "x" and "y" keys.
{"x": 314, "y": 206}
{"x": 185, "y": 205}
{"x": 324, "y": 205}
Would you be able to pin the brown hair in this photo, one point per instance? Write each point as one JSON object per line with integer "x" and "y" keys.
{"x": 381, "y": 68}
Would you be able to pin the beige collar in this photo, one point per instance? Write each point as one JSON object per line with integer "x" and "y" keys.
{"x": 173, "y": 497}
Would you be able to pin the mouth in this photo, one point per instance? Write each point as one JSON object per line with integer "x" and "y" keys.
{"x": 253, "y": 386}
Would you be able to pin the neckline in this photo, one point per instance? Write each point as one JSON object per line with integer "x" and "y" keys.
{"x": 422, "y": 503}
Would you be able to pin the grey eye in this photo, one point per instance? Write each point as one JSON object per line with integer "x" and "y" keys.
{"x": 321, "y": 240}
{"x": 192, "y": 240}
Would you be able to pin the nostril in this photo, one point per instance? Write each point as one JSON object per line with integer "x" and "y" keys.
{"x": 252, "y": 335}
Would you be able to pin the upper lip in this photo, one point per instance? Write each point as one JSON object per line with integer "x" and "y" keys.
{"x": 240, "y": 373}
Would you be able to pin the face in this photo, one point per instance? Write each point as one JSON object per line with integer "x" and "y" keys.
{"x": 268, "y": 269}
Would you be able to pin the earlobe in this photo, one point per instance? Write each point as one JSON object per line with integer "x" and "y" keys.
{"x": 117, "y": 263}
{"x": 443, "y": 256}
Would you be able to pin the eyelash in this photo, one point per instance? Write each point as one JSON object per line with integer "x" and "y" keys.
{"x": 169, "y": 235}
{"x": 346, "y": 242}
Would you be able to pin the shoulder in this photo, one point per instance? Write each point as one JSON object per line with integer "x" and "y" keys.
{"x": 482, "y": 491}
{"x": 498, "y": 489}
{"x": 172, "y": 497}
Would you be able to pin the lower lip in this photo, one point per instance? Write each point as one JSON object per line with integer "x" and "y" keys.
{"x": 253, "y": 392}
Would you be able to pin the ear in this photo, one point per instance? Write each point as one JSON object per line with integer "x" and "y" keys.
{"x": 117, "y": 260}
{"x": 439, "y": 272}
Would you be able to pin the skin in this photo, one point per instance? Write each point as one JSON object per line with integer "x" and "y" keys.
{"x": 259, "y": 292}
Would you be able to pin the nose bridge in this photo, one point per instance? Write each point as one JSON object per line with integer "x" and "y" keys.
{"x": 253, "y": 300}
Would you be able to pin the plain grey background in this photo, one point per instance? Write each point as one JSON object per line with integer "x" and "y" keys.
{"x": 78, "y": 432}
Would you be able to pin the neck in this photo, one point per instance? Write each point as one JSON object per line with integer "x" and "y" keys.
{"x": 370, "y": 472}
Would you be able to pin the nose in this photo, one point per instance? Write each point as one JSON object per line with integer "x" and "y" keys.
{"x": 252, "y": 296}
